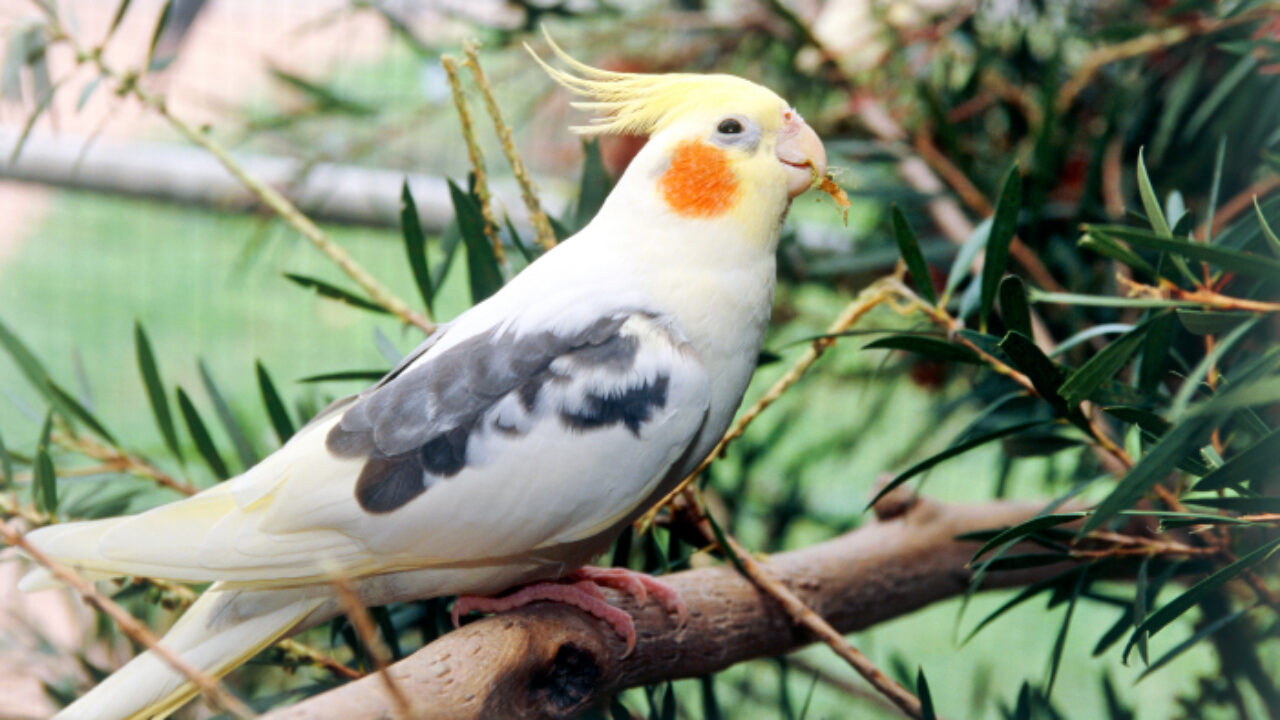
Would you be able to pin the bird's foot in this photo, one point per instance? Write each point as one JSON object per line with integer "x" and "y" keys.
{"x": 583, "y": 592}
{"x": 638, "y": 585}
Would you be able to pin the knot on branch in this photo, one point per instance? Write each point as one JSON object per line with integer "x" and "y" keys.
{"x": 568, "y": 681}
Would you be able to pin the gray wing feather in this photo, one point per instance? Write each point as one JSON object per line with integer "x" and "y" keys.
{"x": 414, "y": 426}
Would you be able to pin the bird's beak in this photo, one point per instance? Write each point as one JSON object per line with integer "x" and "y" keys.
{"x": 801, "y": 153}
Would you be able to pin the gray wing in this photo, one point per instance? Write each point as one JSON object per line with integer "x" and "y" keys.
{"x": 420, "y": 424}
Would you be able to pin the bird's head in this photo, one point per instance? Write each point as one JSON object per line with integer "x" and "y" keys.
{"x": 719, "y": 146}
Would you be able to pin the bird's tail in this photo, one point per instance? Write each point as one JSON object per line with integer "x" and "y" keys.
{"x": 222, "y": 629}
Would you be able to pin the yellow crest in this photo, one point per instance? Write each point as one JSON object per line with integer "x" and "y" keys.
{"x": 639, "y": 104}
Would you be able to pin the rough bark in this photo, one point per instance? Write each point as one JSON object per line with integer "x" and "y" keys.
{"x": 552, "y": 661}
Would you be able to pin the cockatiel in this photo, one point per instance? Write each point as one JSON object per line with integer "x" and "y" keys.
{"x": 517, "y": 441}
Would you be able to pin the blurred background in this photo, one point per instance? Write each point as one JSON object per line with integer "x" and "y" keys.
{"x": 111, "y": 220}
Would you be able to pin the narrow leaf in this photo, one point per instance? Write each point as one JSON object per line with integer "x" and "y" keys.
{"x": 926, "y": 698}
{"x": 1003, "y": 227}
{"x": 155, "y": 390}
{"x": 1102, "y": 366}
{"x": 361, "y": 375}
{"x": 6, "y": 466}
{"x": 1013, "y": 305}
{"x": 121, "y": 9}
{"x": 925, "y": 345}
{"x": 911, "y": 255}
{"x": 71, "y": 406}
{"x": 953, "y": 451}
{"x": 964, "y": 258}
{"x": 1255, "y": 463}
{"x": 1204, "y": 632}
{"x": 1243, "y": 505}
{"x": 1150, "y": 204}
{"x": 415, "y": 246}
{"x": 1155, "y": 353}
{"x": 275, "y": 406}
{"x": 152, "y": 63}
{"x": 44, "y": 484}
{"x": 1237, "y": 261}
{"x": 333, "y": 292}
{"x": 200, "y": 435}
{"x": 1184, "y": 602}
{"x": 1031, "y": 360}
{"x": 1273, "y": 242}
{"x": 594, "y": 186}
{"x": 1110, "y": 247}
{"x": 1026, "y": 528}
{"x": 26, "y": 361}
{"x": 1060, "y": 642}
{"x": 1200, "y": 372}
{"x": 482, "y": 267}
{"x": 239, "y": 439}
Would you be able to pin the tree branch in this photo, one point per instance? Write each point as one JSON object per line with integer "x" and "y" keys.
{"x": 552, "y": 661}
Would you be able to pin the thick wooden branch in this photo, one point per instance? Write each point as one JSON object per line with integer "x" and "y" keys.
{"x": 552, "y": 661}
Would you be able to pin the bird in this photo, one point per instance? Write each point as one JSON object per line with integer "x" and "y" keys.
{"x": 518, "y": 440}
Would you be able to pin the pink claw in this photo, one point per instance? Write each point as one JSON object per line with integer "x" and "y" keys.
{"x": 583, "y": 592}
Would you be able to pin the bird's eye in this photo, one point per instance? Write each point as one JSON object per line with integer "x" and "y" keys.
{"x": 729, "y": 127}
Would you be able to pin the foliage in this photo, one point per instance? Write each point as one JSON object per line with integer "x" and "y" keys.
{"x": 1106, "y": 319}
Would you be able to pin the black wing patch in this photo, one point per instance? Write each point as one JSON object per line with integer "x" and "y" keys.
{"x": 414, "y": 428}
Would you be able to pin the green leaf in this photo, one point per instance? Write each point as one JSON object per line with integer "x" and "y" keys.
{"x": 1243, "y": 505}
{"x": 516, "y": 241}
{"x": 333, "y": 292}
{"x": 1255, "y": 463}
{"x": 1237, "y": 261}
{"x": 953, "y": 451}
{"x": 482, "y": 268}
{"x": 594, "y": 186}
{"x": 26, "y": 361}
{"x": 1004, "y": 226}
{"x": 1024, "y": 595}
{"x": 72, "y": 407}
{"x": 1200, "y": 634}
{"x": 964, "y": 258}
{"x": 1152, "y": 468}
{"x": 415, "y": 246}
{"x": 1155, "y": 352}
{"x": 6, "y": 466}
{"x": 1023, "y": 529}
{"x": 239, "y": 439}
{"x": 1150, "y": 204}
{"x": 1103, "y": 365}
{"x": 200, "y": 435}
{"x": 1110, "y": 247}
{"x": 44, "y": 483}
{"x": 1139, "y": 611}
{"x": 1273, "y": 242}
{"x": 275, "y": 406}
{"x": 1203, "y": 322}
{"x": 911, "y": 255}
{"x": 1031, "y": 360}
{"x": 1013, "y": 305}
{"x": 361, "y": 375}
{"x": 1184, "y": 602}
{"x": 926, "y": 698}
{"x": 121, "y": 9}
{"x": 925, "y": 345}
{"x": 1060, "y": 642}
{"x": 152, "y": 63}
{"x": 155, "y": 390}
{"x": 1062, "y": 298}
{"x": 1196, "y": 377}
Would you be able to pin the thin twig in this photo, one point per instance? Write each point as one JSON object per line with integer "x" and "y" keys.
{"x": 360, "y": 619}
{"x": 120, "y": 461}
{"x": 128, "y": 84}
{"x": 139, "y": 633}
{"x": 803, "y": 615}
{"x": 450, "y": 65}
{"x": 1242, "y": 201}
{"x": 545, "y": 234}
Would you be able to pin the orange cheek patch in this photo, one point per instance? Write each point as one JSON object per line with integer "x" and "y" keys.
{"x": 699, "y": 182}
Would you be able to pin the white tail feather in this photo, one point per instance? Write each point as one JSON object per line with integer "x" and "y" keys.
{"x": 222, "y": 629}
